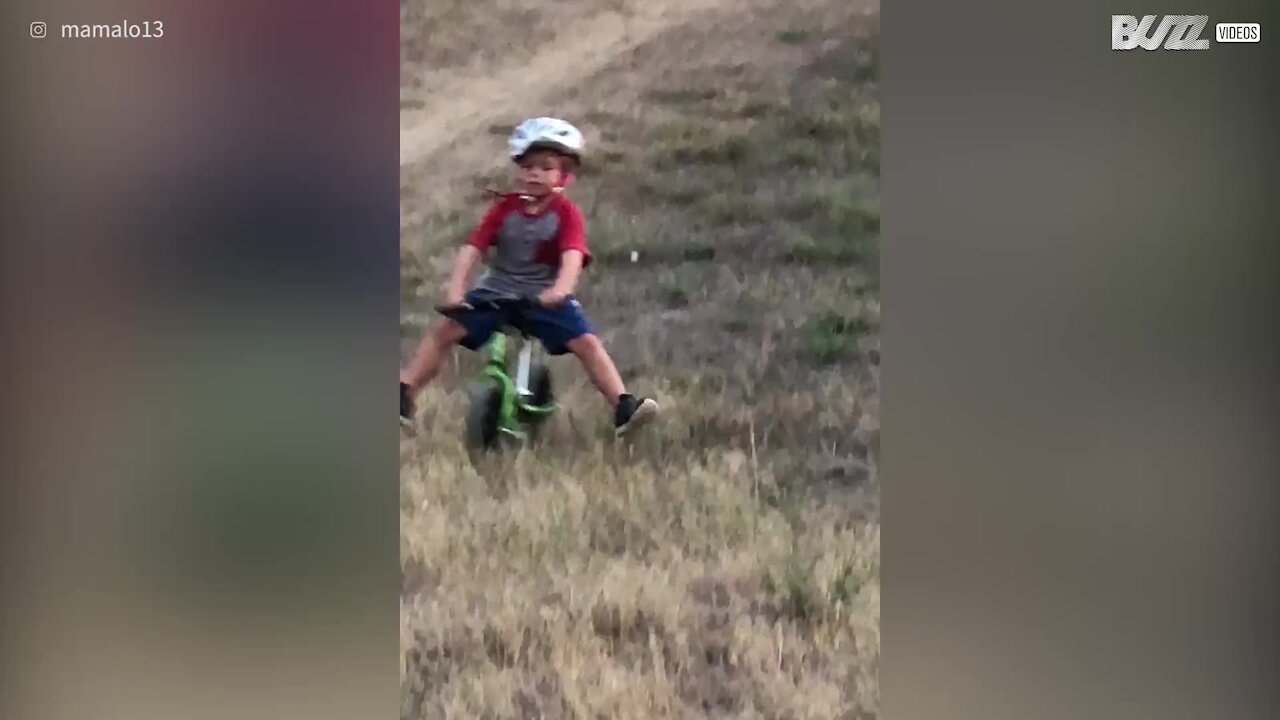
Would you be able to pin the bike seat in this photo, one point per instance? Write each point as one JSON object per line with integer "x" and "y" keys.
{"x": 513, "y": 331}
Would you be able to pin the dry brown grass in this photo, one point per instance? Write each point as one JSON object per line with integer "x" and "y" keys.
{"x": 466, "y": 64}
{"x": 605, "y": 587}
{"x": 725, "y": 563}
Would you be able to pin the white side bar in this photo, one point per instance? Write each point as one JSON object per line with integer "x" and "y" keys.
{"x": 522, "y": 372}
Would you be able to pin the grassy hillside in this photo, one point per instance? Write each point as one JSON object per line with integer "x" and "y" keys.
{"x": 725, "y": 563}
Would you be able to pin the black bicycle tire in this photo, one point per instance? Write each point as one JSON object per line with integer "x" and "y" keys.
{"x": 484, "y": 417}
{"x": 542, "y": 393}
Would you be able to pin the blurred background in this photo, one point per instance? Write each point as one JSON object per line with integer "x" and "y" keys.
{"x": 202, "y": 239}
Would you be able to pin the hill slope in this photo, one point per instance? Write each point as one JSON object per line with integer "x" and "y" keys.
{"x": 727, "y": 562}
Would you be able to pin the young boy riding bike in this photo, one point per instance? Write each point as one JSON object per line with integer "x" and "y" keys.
{"x": 538, "y": 247}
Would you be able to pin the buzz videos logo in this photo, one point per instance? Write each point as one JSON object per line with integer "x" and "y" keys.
{"x": 1176, "y": 32}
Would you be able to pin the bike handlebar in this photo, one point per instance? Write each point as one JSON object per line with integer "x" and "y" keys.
{"x": 508, "y": 302}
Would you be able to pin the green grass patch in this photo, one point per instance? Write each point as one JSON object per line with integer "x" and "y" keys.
{"x": 679, "y": 193}
{"x": 751, "y": 104}
{"x": 603, "y": 163}
{"x": 834, "y": 336}
{"x": 793, "y": 36}
{"x": 852, "y": 216}
{"x": 498, "y": 178}
{"x": 866, "y": 61}
{"x": 805, "y": 249}
{"x": 840, "y": 211}
{"x": 412, "y": 279}
{"x": 731, "y": 209}
{"x": 614, "y": 236}
{"x": 790, "y": 587}
{"x": 846, "y": 585}
{"x": 823, "y": 126}
{"x": 674, "y": 293}
{"x": 689, "y": 142}
{"x": 698, "y": 251}
{"x": 865, "y": 150}
{"x": 682, "y": 96}
{"x": 803, "y": 152}
{"x": 708, "y": 149}
{"x": 684, "y": 196}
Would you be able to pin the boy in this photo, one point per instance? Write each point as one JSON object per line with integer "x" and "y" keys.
{"x": 539, "y": 249}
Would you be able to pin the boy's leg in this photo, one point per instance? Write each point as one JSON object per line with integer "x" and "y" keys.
{"x": 423, "y": 369}
{"x": 566, "y": 329}
{"x": 599, "y": 366}
{"x": 470, "y": 330}
{"x": 629, "y": 411}
{"x": 431, "y": 354}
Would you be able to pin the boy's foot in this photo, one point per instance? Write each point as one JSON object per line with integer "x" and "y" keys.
{"x": 633, "y": 412}
{"x": 407, "y": 410}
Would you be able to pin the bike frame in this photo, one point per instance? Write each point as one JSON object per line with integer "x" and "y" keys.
{"x": 516, "y": 394}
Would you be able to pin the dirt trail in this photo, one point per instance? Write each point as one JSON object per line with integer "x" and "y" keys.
{"x": 468, "y": 101}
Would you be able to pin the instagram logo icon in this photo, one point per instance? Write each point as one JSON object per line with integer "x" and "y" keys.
{"x": 39, "y": 30}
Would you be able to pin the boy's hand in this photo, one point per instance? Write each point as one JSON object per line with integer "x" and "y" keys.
{"x": 552, "y": 298}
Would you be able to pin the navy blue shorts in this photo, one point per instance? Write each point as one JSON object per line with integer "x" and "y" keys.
{"x": 555, "y": 329}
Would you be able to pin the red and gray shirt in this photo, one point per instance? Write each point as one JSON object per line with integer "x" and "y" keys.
{"x": 525, "y": 249}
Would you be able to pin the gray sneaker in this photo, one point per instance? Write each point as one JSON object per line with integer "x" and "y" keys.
{"x": 633, "y": 412}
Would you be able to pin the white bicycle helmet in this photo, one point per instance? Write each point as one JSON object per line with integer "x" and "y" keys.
{"x": 546, "y": 133}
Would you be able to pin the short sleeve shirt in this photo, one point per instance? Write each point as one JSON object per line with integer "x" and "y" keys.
{"x": 524, "y": 250}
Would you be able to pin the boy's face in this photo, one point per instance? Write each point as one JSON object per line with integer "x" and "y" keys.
{"x": 540, "y": 172}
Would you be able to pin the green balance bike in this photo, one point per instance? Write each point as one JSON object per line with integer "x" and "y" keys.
{"x": 504, "y": 406}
